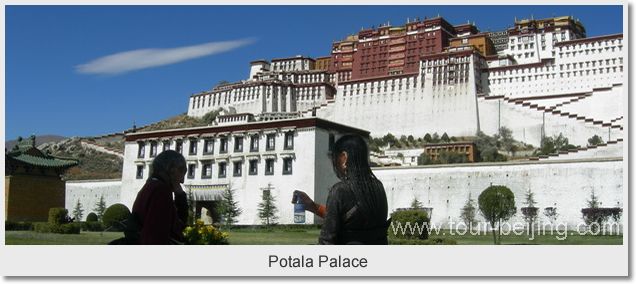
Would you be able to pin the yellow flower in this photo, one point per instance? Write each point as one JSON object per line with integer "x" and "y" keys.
{"x": 199, "y": 223}
{"x": 225, "y": 235}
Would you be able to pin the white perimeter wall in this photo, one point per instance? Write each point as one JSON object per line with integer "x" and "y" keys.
{"x": 565, "y": 184}
{"x": 89, "y": 192}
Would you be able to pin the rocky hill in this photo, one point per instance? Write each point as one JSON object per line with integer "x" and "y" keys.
{"x": 95, "y": 154}
{"x": 93, "y": 164}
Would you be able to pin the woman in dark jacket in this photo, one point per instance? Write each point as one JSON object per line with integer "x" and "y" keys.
{"x": 157, "y": 218}
{"x": 356, "y": 208}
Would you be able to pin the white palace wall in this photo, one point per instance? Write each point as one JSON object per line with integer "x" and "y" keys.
{"x": 89, "y": 192}
{"x": 566, "y": 185}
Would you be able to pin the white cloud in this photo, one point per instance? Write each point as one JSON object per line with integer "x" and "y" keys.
{"x": 146, "y": 58}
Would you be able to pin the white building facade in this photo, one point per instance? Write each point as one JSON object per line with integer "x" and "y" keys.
{"x": 251, "y": 157}
{"x": 546, "y": 79}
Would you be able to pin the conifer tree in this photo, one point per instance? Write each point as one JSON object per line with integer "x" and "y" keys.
{"x": 228, "y": 207}
{"x": 267, "y": 208}
{"x": 100, "y": 208}
{"x": 78, "y": 211}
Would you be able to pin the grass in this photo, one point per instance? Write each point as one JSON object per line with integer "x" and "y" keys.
{"x": 34, "y": 238}
{"x": 310, "y": 236}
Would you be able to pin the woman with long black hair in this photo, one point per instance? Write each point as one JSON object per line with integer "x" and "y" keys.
{"x": 356, "y": 208}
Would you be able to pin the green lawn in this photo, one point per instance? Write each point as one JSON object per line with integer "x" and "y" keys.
{"x": 309, "y": 236}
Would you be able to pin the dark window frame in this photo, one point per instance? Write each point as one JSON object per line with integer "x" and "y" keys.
{"x": 253, "y": 167}
{"x": 238, "y": 144}
{"x": 208, "y": 147}
{"x": 223, "y": 148}
{"x": 223, "y": 170}
{"x": 140, "y": 172}
{"x": 191, "y": 171}
{"x": 270, "y": 146}
{"x": 289, "y": 139}
{"x": 269, "y": 169}
{"x": 237, "y": 169}
{"x": 203, "y": 171}
{"x": 288, "y": 167}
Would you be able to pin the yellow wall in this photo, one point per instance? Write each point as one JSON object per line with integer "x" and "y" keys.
{"x": 29, "y": 198}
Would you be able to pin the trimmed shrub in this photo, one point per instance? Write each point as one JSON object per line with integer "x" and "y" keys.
{"x": 93, "y": 226}
{"x": 409, "y": 224}
{"x": 18, "y": 226}
{"x": 69, "y": 228}
{"x": 596, "y": 218}
{"x": 58, "y": 215}
{"x": 115, "y": 217}
{"x": 92, "y": 217}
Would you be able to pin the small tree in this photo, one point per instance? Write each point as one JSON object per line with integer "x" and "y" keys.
{"x": 78, "y": 212}
{"x": 416, "y": 203}
{"x": 228, "y": 207}
{"x": 551, "y": 213}
{"x": 497, "y": 205}
{"x": 530, "y": 212}
{"x": 267, "y": 208}
{"x": 594, "y": 140}
{"x": 100, "y": 208}
{"x": 469, "y": 211}
{"x": 445, "y": 137}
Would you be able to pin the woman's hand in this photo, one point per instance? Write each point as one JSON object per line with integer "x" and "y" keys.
{"x": 309, "y": 203}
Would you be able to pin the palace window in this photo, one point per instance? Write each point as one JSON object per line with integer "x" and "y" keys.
{"x": 271, "y": 142}
{"x": 191, "y": 168}
{"x": 153, "y": 149}
{"x": 238, "y": 169}
{"x": 238, "y": 144}
{"x": 222, "y": 170}
{"x": 208, "y": 147}
{"x": 269, "y": 167}
{"x": 166, "y": 145}
{"x": 223, "y": 148}
{"x": 140, "y": 172}
{"x": 179, "y": 147}
{"x": 206, "y": 173}
{"x": 193, "y": 147}
{"x": 142, "y": 150}
{"x": 253, "y": 167}
{"x": 254, "y": 143}
{"x": 287, "y": 166}
{"x": 289, "y": 140}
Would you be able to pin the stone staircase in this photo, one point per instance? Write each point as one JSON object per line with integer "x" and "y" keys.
{"x": 595, "y": 148}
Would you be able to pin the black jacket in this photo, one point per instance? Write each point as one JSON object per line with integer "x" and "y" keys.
{"x": 347, "y": 220}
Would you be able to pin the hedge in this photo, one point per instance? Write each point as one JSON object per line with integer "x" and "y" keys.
{"x": 46, "y": 227}
{"x": 409, "y": 224}
{"x": 18, "y": 226}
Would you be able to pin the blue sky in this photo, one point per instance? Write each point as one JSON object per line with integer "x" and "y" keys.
{"x": 93, "y": 70}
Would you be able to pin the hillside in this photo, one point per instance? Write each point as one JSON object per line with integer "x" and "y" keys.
{"x": 93, "y": 164}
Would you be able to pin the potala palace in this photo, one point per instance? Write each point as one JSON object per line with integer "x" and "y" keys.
{"x": 540, "y": 77}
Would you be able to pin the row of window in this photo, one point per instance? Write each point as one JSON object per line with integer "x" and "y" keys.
{"x": 208, "y": 145}
{"x": 237, "y": 169}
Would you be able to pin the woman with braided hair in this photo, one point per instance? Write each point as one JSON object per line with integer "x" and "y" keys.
{"x": 356, "y": 208}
